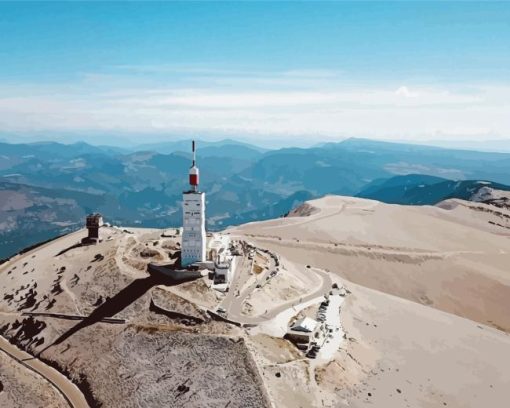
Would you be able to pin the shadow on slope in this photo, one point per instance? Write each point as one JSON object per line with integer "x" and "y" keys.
{"x": 116, "y": 304}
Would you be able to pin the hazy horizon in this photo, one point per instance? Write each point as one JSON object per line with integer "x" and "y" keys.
{"x": 133, "y": 142}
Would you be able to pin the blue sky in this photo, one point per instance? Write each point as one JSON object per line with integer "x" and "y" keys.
{"x": 393, "y": 70}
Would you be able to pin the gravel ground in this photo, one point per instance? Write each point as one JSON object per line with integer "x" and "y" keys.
{"x": 20, "y": 387}
{"x": 151, "y": 366}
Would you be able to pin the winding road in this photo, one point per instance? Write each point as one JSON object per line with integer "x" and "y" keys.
{"x": 69, "y": 391}
{"x": 62, "y": 384}
{"x": 233, "y": 304}
{"x": 236, "y": 315}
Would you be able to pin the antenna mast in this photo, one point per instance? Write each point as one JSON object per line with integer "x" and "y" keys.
{"x": 193, "y": 171}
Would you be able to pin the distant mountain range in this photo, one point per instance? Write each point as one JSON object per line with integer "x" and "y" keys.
{"x": 227, "y": 147}
{"x": 417, "y": 189}
{"x": 48, "y": 188}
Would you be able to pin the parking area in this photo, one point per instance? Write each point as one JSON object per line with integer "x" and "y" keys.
{"x": 332, "y": 333}
{"x": 320, "y": 334}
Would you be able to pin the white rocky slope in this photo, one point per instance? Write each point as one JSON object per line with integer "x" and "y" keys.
{"x": 453, "y": 257}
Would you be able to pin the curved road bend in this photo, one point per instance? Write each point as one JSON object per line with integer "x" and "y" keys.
{"x": 64, "y": 386}
{"x": 234, "y": 313}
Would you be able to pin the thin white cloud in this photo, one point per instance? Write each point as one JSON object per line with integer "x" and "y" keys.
{"x": 310, "y": 103}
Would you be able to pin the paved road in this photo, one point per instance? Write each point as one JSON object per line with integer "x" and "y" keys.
{"x": 235, "y": 311}
{"x": 241, "y": 276}
{"x": 365, "y": 248}
{"x": 66, "y": 388}
{"x": 236, "y": 303}
{"x": 233, "y": 304}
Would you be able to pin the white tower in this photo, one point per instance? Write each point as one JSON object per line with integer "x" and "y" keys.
{"x": 193, "y": 211}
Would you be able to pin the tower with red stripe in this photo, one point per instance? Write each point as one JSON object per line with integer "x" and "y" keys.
{"x": 193, "y": 248}
{"x": 193, "y": 171}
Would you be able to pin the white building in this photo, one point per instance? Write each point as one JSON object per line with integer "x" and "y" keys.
{"x": 223, "y": 267}
{"x": 193, "y": 248}
{"x": 216, "y": 243}
{"x": 305, "y": 324}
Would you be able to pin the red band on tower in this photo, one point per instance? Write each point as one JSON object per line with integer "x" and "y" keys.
{"x": 193, "y": 171}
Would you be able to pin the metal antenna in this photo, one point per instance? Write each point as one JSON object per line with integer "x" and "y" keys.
{"x": 193, "y": 149}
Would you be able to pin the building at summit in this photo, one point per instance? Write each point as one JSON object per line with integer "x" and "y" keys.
{"x": 193, "y": 247}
